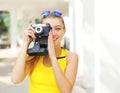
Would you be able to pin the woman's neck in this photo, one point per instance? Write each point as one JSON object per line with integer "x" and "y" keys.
{"x": 57, "y": 52}
{"x": 47, "y": 61}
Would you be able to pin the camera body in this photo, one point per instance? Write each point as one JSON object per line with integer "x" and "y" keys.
{"x": 41, "y": 42}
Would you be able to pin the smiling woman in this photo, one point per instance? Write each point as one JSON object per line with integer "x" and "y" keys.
{"x": 51, "y": 73}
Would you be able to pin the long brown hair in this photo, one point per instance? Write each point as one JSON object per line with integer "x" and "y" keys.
{"x": 31, "y": 61}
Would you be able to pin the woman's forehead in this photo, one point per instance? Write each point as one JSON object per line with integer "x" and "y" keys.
{"x": 53, "y": 21}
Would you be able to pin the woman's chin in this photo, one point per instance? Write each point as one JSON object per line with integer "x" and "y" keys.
{"x": 56, "y": 44}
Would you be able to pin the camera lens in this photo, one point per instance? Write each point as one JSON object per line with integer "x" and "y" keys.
{"x": 38, "y": 30}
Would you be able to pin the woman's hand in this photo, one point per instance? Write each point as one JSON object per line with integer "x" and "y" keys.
{"x": 29, "y": 34}
{"x": 51, "y": 48}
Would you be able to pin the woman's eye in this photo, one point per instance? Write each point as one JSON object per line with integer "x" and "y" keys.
{"x": 57, "y": 29}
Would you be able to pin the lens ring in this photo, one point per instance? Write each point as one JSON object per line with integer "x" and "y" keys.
{"x": 39, "y": 30}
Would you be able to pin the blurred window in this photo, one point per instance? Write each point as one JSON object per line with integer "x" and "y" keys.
{"x": 4, "y": 29}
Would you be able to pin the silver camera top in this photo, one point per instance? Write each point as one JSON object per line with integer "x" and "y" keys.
{"x": 38, "y": 27}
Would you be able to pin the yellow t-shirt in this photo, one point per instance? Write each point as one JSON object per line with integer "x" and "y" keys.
{"x": 42, "y": 79}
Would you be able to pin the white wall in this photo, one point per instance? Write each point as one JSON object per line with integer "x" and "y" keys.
{"x": 83, "y": 42}
{"x": 107, "y": 22}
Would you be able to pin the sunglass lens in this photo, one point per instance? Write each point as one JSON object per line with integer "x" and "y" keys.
{"x": 45, "y": 13}
{"x": 57, "y": 13}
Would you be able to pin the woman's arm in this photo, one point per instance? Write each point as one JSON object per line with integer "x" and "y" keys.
{"x": 19, "y": 70}
{"x": 18, "y": 73}
{"x": 65, "y": 81}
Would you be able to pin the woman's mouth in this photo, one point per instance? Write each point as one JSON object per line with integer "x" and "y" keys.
{"x": 55, "y": 39}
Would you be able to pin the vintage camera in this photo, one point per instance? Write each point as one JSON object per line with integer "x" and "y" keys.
{"x": 41, "y": 42}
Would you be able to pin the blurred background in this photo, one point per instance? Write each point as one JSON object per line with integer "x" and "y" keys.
{"x": 107, "y": 62}
{"x": 15, "y": 15}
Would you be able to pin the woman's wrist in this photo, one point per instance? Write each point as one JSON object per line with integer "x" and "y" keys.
{"x": 25, "y": 46}
{"x": 54, "y": 60}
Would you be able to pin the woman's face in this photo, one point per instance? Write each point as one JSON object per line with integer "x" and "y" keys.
{"x": 58, "y": 29}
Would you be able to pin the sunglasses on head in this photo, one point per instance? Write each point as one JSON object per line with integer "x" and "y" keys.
{"x": 46, "y": 13}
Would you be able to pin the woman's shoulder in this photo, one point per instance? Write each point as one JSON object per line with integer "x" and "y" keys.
{"x": 72, "y": 54}
{"x": 69, "y": 53}
{"x": 72, "y": 57}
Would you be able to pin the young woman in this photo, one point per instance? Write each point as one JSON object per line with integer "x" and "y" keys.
{"x": 47, "y": 74}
